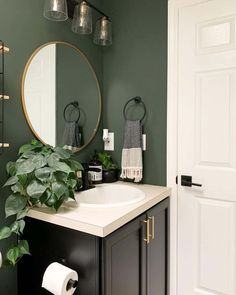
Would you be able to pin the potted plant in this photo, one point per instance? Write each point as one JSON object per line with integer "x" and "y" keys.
{"x": 109, "y": 169}
{"x": 42, "y": 175}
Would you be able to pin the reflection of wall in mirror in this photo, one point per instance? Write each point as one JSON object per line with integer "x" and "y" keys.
{"x": 76, "y": 82}
{"x": 42, "y": 110}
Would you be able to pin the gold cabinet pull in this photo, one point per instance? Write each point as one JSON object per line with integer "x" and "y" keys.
{"x": 153, "y": 226}
{"x": 147, "y": 222}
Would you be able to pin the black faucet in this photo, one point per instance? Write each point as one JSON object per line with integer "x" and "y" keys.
{"x": 86, "y": 181}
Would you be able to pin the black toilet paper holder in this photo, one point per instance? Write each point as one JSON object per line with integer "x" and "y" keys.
{"x": 71, "y": 284}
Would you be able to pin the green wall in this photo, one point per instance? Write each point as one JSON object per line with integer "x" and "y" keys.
{"x": 23, "y": 28}
{"x": 81, "y": 87}
{"x": 136, "y": 64}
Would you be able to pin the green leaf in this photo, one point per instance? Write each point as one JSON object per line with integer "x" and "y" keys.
{"x": 15, "y": 227}
{"x": 19, "y": 161}
{"x": 29, "y": 147}
{"x": 18, "y": 227}
{"x": 60, "y": 176}
{"x": 39, "y": 161}
{"x": 25, "y": 167}
{"x": 53, "y": 159}
{"x": 28, "y": 155}
{"x": 72, "y": 183}
{"x": 79, "y": 183}
{"x": 24, "y": 247}
{"x": 71, "y": 194}
{"x": 58, "y": 204}
{"x": 5, "y": 233}
{"x": 36, "y": 189}
{"x": 59, "y": 189}
{"x": 21, "y": 225}
{"x": 43, "y": 173}
{"x": 45, "y": 196}
{"x": 11, "y": 168}
{"x": 12, "y": 180}
{"x": 22, "y": 179}
{"x": 63, "y": 167}
{"x": 46, "y": 150}
{"x": 13, "y": 255}
{"x": 22, "y": 214}
{"x": 17, "y": 188}
{"x": 51, "y": 201}
{"x": 74, "y": 165}
{"x": 107, "y": 162}
{"x": 26, "y": 148}
{"x": 30, "y": 178}
{"x": 14, "y": 204}
{"x": 62, "y": 153}
{"x": 34, "y": 142}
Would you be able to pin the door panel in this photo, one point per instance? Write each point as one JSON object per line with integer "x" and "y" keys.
{"x": 216, "y": 35}
{"x": 215, "y": 118}
{"x": 124, "y": 261}
{"x": 207, "y": 148}
{"x": 215, "y": 253}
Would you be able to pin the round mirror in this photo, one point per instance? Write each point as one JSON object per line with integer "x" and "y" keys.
{"x": 61, "y": 96}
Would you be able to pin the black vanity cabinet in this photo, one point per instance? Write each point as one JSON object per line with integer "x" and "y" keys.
{"x": 130, "y": 261}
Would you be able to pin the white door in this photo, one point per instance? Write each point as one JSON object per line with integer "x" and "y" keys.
{"x": 40, "y": 94}
{"x": 207, "y": 147}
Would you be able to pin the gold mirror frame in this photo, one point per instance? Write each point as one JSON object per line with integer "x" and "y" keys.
{"x": 23, "y": 94}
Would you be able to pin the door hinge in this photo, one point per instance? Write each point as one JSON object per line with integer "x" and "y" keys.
{"x": 176, "y": 179}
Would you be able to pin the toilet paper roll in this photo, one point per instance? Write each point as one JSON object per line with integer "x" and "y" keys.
{"x": 59, "y": 279}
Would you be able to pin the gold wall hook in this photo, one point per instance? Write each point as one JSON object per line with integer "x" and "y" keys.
{"x": 4, "y": 145}
{"x": 4, "y": 96}
{"x": 4, "y": 49}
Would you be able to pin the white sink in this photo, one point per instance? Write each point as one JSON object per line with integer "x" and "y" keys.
{"x": 109, "y": 195}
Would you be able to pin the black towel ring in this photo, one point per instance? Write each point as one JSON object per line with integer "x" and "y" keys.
{"x": 75, "y": 104}
{"x": 137, "y": 100}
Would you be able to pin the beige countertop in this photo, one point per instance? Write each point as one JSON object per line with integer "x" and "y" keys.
{"x": 101, "y": 221}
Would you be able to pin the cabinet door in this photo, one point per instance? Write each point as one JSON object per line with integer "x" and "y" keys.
{"x": 157, "y": 250}
{"x": 124, "y": 260}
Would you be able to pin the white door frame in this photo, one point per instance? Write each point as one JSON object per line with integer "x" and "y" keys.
{"x": 172, "y": 130}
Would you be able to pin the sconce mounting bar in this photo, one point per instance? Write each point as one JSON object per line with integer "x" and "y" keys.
{"x": 98, "y": 10}
{"x": 73, "y": 3}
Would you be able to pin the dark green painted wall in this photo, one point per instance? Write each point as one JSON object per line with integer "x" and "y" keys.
{"x": 136, "y": 64}
{"x": 23, "y": 28}
{"x": 81, "y": 87}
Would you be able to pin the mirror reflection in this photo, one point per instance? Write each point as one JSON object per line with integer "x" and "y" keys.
{"x": 61, "y": 96}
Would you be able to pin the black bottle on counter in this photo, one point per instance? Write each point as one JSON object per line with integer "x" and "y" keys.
{"x": 96, "y": 177}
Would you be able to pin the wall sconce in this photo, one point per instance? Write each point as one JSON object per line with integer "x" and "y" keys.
{"x": 82, "y": 23}
{"x": 56, "y": 10}
{"x": 103, "y": 32}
